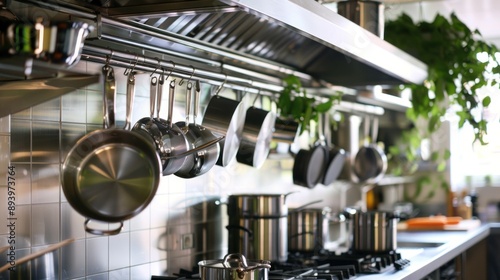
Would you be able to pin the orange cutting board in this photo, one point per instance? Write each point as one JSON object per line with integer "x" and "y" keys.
{"x": 439, "y": 223}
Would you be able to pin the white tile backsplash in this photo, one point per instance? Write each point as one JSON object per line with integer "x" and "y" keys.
{"x": 41, "y": 137}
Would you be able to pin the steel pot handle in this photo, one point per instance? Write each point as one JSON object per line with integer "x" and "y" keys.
{"x": 243, "y": 267}
{"x": 102, "y": 232}
{"x": 250, "y": 233}
{"x": 200, "y": 147}
{"x": 109, "y": 96}
{"x": 130, "y": 98}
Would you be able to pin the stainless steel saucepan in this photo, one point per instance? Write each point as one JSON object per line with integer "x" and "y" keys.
{"x": 203, "y": 160}
{"x": 233, "y": 267}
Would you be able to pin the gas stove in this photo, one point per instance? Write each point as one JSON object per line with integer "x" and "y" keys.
{"x": 322, "y": 265}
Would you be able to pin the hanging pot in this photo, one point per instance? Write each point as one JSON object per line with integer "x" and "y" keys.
{"x": 234, "y": 267}
{"x": 111, "y": 174}
{"x": 370, "y": 163}
{"x": 256, "y": 137}
{"x": 202, "y": 161}
{"x": 309, "y": 165}
{"x": 285, "y": 130}
{"x": 336, "y": 160}
{"x": 225, "y": 117}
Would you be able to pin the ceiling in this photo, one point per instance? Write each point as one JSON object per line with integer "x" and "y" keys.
{"x": 483, "y": 15}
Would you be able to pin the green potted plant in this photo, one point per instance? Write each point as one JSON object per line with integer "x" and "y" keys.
{"x": 459, "y": 63}
{"x": 293, "y": 102}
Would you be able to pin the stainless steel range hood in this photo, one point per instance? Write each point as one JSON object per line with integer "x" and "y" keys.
{"x": 301, "y": 35}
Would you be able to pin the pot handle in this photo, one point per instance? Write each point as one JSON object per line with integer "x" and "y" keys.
{"x": 243, "y": 267}
{"x": 250, "y": 233}
{"x": 102, "y": 232}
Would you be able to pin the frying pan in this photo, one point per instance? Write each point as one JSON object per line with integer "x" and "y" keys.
{"x": 111, "y": 174}
{"x": 370, "y": 163}
{"x": 336, "y": 159}
{"x": 225, "y": 117}
{"x": 199, "y": 163}
{"x": 256, "y": 137}
{"x": 309, "y": 165}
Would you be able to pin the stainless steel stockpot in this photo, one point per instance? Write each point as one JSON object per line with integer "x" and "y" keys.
{"x": 258, "y": 226}
{"x": 308, "y": 229}
{"x": 233, "y": 267}
{"x": 372, "y": 231}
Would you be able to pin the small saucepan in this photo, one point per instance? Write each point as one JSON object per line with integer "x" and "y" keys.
{"x": 173, "y": 142}
{"x": 111, "y": 174}
{"x": 256, "y": 137}
{"x": 234, "y": 266}
{"x": 203, "y": 160}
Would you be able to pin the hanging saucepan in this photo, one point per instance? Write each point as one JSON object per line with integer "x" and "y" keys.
{"x": 286, "y": 130}
{"x": 309, "y": 165}
{"x": 370, "y": 163}
{"x": 201, "y": 162}
{"x": 336, "y": 159}
{"x": 225, "y": 117}
{"x": 147, "y": 126}
{"x": 173, "y": 141}
{"x": 234, "y": 266}
{"x": 256, "y": 137}
{"x": 111, "y": 174}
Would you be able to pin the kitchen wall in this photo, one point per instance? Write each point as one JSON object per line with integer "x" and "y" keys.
{"x": 183, "y": 223}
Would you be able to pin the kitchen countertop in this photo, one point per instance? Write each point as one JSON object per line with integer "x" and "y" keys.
{"x": 424, "y": 260}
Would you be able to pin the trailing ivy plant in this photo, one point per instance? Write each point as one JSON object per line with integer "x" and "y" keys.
{"x": 294, "y": 103}
{"x": 450, "y": 50}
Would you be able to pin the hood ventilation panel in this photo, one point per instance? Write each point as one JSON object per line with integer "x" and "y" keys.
{"x": 302, "y": 35}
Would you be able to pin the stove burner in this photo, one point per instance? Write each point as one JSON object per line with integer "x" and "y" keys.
{"x": 322, "y": 265}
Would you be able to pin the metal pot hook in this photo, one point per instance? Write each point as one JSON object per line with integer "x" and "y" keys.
{"x": 189, "y": 80}
{"x": 221, "y": 86}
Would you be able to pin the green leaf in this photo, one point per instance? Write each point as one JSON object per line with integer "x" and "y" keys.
{"x": 486, "y": 101}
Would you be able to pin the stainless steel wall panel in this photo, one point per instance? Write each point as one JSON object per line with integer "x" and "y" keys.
{"x": 70, "y": 134}
{"x": 23, "y": 183}
{"x": 94, "y": 107}
{"x": 20, "y": 147}
{"x": 119, "y": 251}
{"x": 45, "y": 142}
{"x": 4, "y": 157}
{"x": 45, "y": 224}
{"x": 45, "y": 186}
{"x": 73, "y": 107}
{"x": 97, "y": 256}
{"x": 3, "y": 215}
{"x": 45, "y": 266}
{"x": 24, "y": 114}
{"x": 139, "y": 247}
{"x": 73, "y": 259}
{"x": 71, "y": 223}
{"x": 5, "y": 125}
{"x": 23, "y": 226}
{"x": 47, "y": 111}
